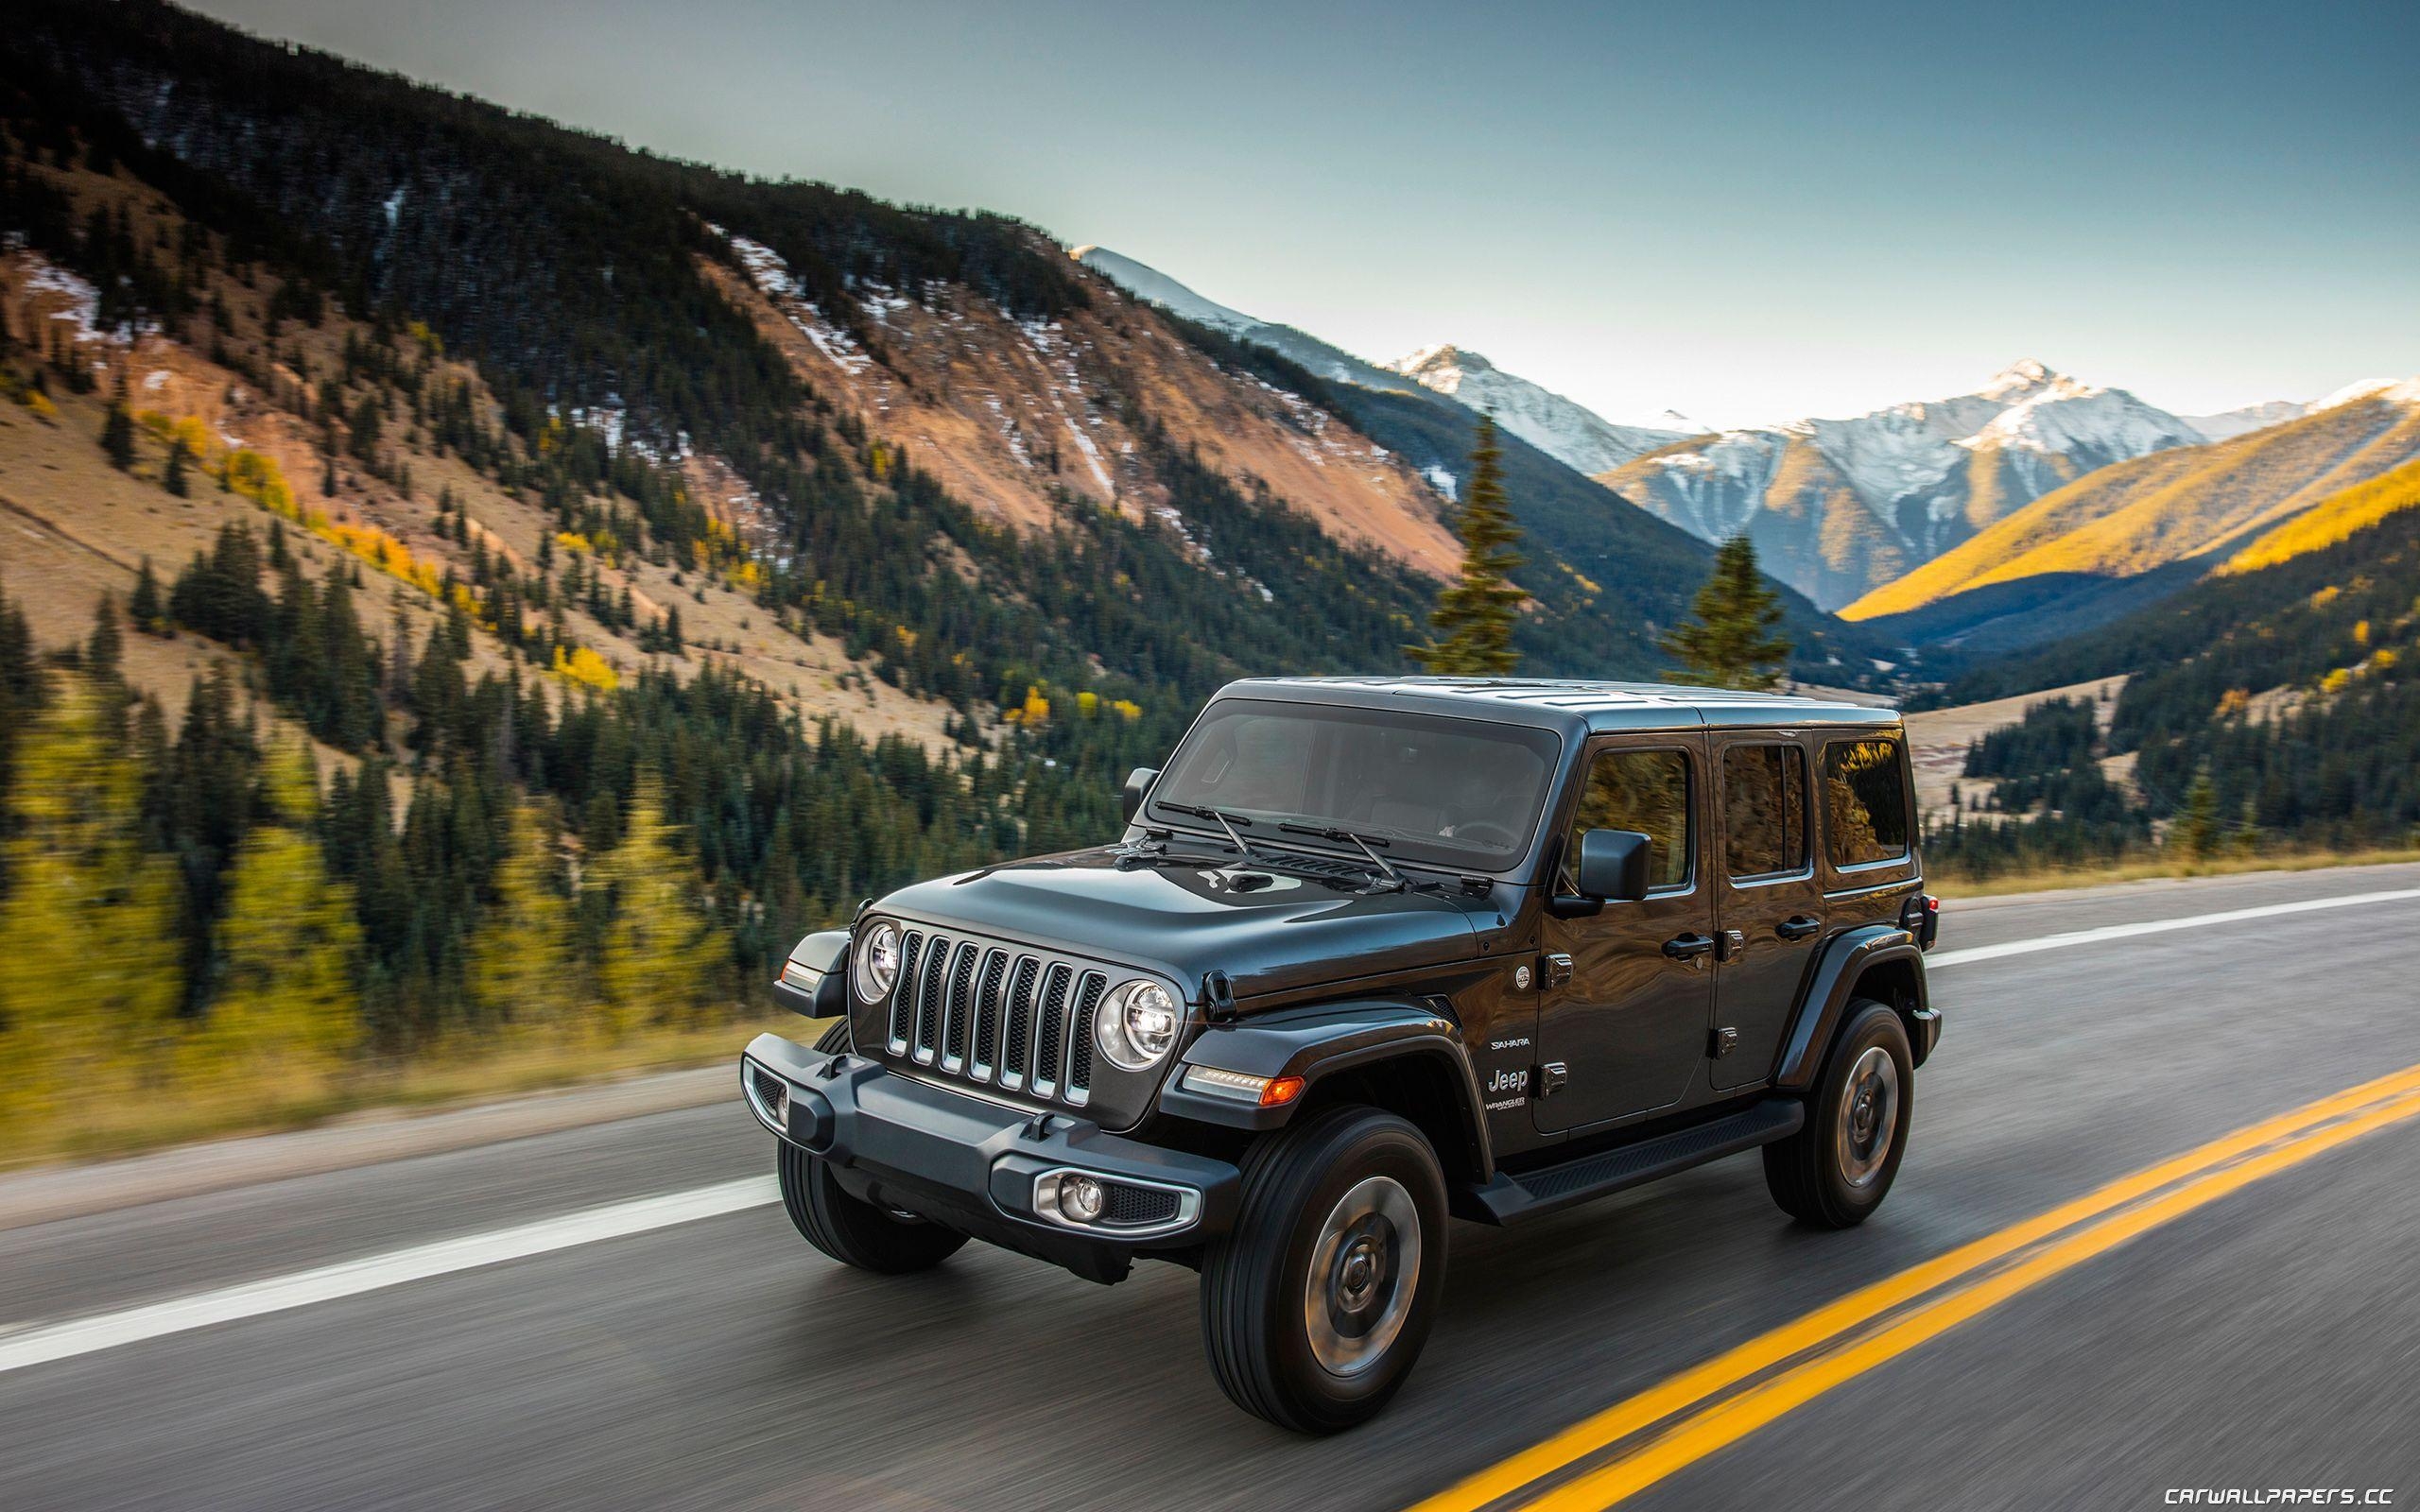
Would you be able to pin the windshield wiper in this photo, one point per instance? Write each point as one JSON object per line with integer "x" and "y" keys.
{"x": 1367, "y": 843}
{"x": 1225, "y": 820}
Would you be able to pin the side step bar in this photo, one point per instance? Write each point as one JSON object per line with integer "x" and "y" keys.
{"x": 1508, "y": 1198}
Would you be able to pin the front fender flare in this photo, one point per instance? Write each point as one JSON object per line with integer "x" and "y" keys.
{"x": 1829, "y": 991}
{"x": 1318, "y": 1043}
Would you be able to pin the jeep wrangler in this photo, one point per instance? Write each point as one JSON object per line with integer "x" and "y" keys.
{"x": 1369, "y": 953}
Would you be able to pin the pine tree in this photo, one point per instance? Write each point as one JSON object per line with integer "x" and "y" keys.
{"x": 287, "y": 946}
{"x": 659, "y": 956}
{"x": 145, "y": 607}
{"x": 524, "y": 965}
{"x": 117, "y": 432}
{"x": 89, "y": 925}
{"x": 105, "y": 649}
{"x": 1733, "y": 643}
{"x": 174, "y": 478}
{"x": 2197, "y": 828}
{"x": 1473, "y": 620}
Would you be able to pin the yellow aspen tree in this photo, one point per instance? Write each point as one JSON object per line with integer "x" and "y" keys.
{"x": 660, "y": 956}
{"x": 289, "y": 942}
{"x": 524, "y": 966}
{"x": 89, "y": 974}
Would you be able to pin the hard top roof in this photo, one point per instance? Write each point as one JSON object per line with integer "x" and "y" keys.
{"x": 1570, "y": 704}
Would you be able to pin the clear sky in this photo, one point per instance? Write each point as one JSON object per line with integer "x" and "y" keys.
{"x": 1741, "y": 210}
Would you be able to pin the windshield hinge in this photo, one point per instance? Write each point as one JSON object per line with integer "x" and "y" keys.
{"x": 1217, "y": 997}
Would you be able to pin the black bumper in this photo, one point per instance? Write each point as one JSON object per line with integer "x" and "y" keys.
{"x": 1924, "y": 1032}
{"x": 973, "y": 1164}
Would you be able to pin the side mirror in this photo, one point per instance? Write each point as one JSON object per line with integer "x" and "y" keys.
{"x": 1613, "y": 865}
{"x": 1138, "y": 787}
{"x": 816, "y": 972}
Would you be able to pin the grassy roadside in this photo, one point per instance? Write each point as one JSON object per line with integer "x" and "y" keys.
{"x": 1951, "y": 884}
{"x": 482, "y": 1071}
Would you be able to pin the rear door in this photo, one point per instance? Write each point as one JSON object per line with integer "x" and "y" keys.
{"x": 1628, "y": 1027}
{"x": 1769, "y": 904}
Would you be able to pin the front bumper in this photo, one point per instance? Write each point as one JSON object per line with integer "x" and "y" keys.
{"x": 975, "y": 1165}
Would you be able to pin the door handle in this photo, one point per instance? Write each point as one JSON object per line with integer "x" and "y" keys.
{"x": 1798, "y": 928}
{"x": 1688, "y": 947}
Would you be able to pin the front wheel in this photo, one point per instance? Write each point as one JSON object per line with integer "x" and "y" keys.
{"x": 1316, "y": 1304}
{"x": 852, "y": 1231}
{"x": 1837, "y": 1168}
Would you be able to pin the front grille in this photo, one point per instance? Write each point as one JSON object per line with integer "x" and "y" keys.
{"x": 992, "y": 1015}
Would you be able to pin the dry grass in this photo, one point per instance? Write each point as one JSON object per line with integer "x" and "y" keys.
{"x": 1951, "y": 884}
{"x": 473, "y": 1071}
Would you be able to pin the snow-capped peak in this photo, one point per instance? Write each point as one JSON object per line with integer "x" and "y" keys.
{"x": 1570, "y": 432}
{"x": 2394, "y": 391}
{"x": 2027, "y": 376}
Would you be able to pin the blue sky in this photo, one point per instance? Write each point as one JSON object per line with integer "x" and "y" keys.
{"x": 1744, "y": 211}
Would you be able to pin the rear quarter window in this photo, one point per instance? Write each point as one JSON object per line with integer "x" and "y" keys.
{"x": 1866, "y": 802}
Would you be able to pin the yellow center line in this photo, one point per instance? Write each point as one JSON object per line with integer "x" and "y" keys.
{"x": 1728, "y": 1421}
{"x": 1827, "y": 1323}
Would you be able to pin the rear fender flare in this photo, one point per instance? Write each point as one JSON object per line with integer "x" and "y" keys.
{"x": 1846, "y": 962}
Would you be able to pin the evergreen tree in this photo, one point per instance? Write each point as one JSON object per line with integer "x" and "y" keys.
{"x": 174, "y": 478}
{"x": 88, "y": 927}
{"x": 117, "y": 432}
{"x": 2196, "y": 832}
{"x": 145, "y": 607}
{"x": 1474, "y": 619}
{"x": 1734, "y": 643}
{"x": 105, "y": 649}
{"x": 659, "y": 956}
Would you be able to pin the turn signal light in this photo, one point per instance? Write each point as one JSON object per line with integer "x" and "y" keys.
{"x": 1281, "y": 1090}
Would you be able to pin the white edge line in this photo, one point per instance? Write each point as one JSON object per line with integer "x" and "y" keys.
{"x": 2158, "y": 926}
{"x": 44, "y": 1343}
{"x": 61, "y": 1340}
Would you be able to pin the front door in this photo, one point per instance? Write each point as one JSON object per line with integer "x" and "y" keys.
{"x": 1769, "y": 904}
{"x": 1628, "y": 1025}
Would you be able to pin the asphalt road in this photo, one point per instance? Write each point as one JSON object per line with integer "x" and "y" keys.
{"x": 2269, "y": 1338}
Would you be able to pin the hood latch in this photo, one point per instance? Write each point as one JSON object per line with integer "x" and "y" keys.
{"x": 1217, "y": 997}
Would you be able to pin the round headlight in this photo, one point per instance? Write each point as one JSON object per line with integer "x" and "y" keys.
{"x": 1136, "y": 1025}
{"x": 877, "y": 962}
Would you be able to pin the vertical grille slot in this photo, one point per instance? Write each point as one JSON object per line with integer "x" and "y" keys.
{"x": 984, "y": 1055}
{"x": 958, "y": 1005}
{"x": 903, "y": 998}
{"x": 1020, "y": 1027}
{"x": 1080, "y": 1038}
{"x": 928, "y": 998}
{"x": 1050, "y": 1028}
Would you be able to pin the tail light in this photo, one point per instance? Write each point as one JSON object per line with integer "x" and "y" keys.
{"x": 1920, "y": 915}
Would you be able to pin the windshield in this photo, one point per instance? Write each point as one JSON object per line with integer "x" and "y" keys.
{"x": 1448, "y": 792}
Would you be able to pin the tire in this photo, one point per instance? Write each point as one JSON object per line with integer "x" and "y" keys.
{"x": 851, "y": 1230}
{"x": 1837, "y": 1168}
{"x": 1357, "y": 1197}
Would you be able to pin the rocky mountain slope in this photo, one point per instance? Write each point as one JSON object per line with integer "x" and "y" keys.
{"x": 1838, "y": 507}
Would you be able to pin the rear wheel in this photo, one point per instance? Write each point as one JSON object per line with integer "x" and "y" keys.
{"x": 1837, "y": 1168}
{"x": 851, "y": 1230}
{"x": 1316, "y": 1305}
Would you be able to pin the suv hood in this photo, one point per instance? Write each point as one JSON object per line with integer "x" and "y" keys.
{"x": 1270, "y": 931}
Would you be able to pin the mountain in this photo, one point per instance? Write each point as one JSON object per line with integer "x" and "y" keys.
{"x": 1838, "y": 507}
{"x": 1617, "y": 576}
{"x": 2233, "y": 423}
{"x": 2135, "y": 532}
{"x": 1571, "y": 434}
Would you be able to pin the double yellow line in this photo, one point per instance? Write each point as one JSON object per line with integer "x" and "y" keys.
{"x": 1632, "y": 1444}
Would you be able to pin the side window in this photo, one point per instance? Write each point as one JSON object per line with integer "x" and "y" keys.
{"x": 1764, "y": 809}
{"x": 1642, "y": 790}
{"x": 1866, "y": 802}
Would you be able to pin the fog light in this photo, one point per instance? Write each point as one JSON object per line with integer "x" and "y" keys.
{"x": 1080, "y": 1198}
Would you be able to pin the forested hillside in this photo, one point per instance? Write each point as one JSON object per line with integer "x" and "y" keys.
{"x": 2273, "y": 708}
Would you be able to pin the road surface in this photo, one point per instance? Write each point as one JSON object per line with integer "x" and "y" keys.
{"x": 617, "y": 1317}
